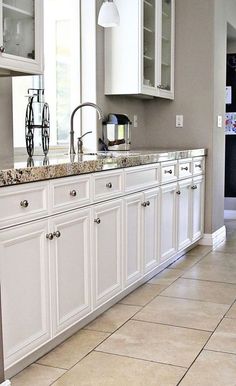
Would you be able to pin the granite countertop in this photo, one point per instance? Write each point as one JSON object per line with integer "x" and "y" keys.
{"x": 18, "y": 170}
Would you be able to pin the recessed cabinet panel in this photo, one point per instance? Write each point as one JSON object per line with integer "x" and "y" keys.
{"x": 198, "y": 207}
{"x": 132, "y": 238}
{"x": 184, "y": 213}
{"x": 151, "y": 229}
{"x": 70, "y": 259}
{"x": 107, "y": 242}
{"x": 168, "y": 221}
{"x": 25, "y": 289}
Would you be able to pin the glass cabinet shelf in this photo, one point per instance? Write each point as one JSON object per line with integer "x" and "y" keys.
{"x": 147, "y": 3}
{"x": 148, "y": 57}
{"x": 9, "y": 9}
{"x": 148, "y": 29}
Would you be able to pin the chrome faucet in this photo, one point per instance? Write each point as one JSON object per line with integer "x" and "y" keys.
{"x": 72, "y": 133}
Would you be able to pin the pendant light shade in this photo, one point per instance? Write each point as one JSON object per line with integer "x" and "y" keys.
{"x": 108, "y": 15}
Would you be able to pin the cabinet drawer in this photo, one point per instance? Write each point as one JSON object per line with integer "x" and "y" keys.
{"x": 23, "y": 203}
{"x": 107, "y": 185}
{"x": 168, "y": 171}
{"x": 185, "y": 168}
{"x": 70, "y": 193}
{"x": 198, "y": 165}
{"x": 142, "y": 177}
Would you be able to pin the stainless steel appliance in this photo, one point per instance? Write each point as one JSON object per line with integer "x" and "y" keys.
{"x": 117, "y": 132}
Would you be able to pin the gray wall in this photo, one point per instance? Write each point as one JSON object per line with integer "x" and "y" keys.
{"x": 6, "y": 121}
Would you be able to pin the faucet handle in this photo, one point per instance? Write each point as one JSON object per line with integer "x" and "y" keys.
{"x": 87, "y": 132}
{"x": 80, "y": 142}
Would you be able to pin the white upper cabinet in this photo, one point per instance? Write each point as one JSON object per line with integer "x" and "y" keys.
{"x": 139, "y": 54}
{"x": 21, "y": 37}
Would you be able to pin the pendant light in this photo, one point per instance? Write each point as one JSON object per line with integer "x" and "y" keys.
{"x": 108, "y": 15}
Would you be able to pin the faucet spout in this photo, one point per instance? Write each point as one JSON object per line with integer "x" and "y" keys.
{"x": 72, "y": 133}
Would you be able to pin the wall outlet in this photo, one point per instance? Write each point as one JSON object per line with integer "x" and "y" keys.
{"x": 179, "y": 121}
{"x": 135, "y": 121}
{"x": 219, "y": 121}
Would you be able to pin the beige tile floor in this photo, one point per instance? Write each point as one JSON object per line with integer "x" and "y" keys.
{"x": 178, "y": 329}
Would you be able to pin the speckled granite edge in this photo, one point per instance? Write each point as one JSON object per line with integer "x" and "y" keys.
{"x": 17, "y": 176}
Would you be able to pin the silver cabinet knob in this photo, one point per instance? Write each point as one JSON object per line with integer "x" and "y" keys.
{"x": 73, "y": 193}
{"x": 144, "y": 204}
{"x": 185, "y": 168}
{"x": 168, "y": 171}
{"x": 198, "y": 166}
{"x": 97, "y": 220}
{"x": 57, "y": 234}
{"x": 49, "y": 236}
{"x": 24, "y": 204}
{"x": 2, "y": 49}
{"x": 148, "y": 203}
{"x": 109, "y": 185}
{"x": 178, "y": 192}
{"x": 194, "y": 187}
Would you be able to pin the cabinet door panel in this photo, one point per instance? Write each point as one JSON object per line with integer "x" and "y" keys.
{"x": 71, "y": 268}
{"x": 168, "y": 217}
{"x": 184, "y": 214}
{"x": 132, "y": 238}
{"x": 107, "y": 242}
{"x": 25, "y": 289}
{"x": 150, "y": 229}
{"x": 198, "y": 207}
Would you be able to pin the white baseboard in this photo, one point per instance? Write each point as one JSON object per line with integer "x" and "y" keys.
{"x": 6, "y": 383}
{"x": 215, "y": 238}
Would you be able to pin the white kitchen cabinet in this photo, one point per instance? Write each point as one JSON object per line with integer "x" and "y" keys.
{"x": 198, "y": 190}
{"x": 107, "y": 250}
{"x": 145, "y": 38}
{"x": 21, "y": 37}
{"x": 168, "y": 221}
{"x": 133, "y": 238}
{"x": 70, "y": 268}
{"x": 151, "y": 229}
{"x": 24, "y": 271}
{"x": 184, "y": 213}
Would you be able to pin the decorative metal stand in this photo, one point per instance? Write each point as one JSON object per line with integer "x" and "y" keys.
{"x": 30, "y": 124}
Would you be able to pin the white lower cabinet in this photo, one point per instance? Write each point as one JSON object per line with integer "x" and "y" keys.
{"x": 70, "y": 268}
{"x": 141, "y": 224}
{"x": 107, "y": 250}
{"x": 132, "y": 238}
{"x": 151, "y": 229}
{"x": 184, "y": 213}
{"x": 24, "y": 266}
{"x": 168, "y": 243}
{"x": 198, "y": 196}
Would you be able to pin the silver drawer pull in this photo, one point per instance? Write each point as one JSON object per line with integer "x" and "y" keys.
{"x": 73, "y": 193}
{"x": 168, "y": 171}
{"x": 24, "y": 204}
{"x": 194, "y": 187}
{"x": 144, "y": 204}
{"x": 57, "y": 234}
{"x": 184, "y": 168}
{"x": 49, "y": 236}
{"x": 2, "y": 49}
{"x": 148, "y": 203}
{"x": 198, "y": 166}
{"x": 109, "y": 185}
{"x": 178, "y": 192}
{"x": 97, "y": 220}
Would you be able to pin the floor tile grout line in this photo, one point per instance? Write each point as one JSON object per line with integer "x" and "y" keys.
{"x": 141, "y": 359}
{"x": 173, "y": 325}
{"x": 211, "y": 281}
{"x": 203, "y": 348}
{"x": 53, "y": 367}
{"x": 199, "y": 300}
{"x": 220, "y": 352}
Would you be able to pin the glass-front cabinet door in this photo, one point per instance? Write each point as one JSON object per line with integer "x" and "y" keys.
{"x": 21, "y": 35}
{"x": 149, "y": 43}
{"x": 166, "y": 45}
